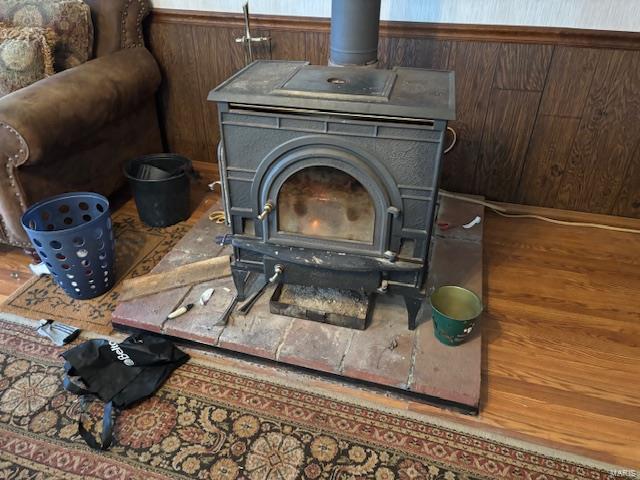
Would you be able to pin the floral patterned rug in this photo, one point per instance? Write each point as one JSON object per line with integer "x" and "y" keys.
{"x": 138, "y": 249}
{"x": 212, "y": 422}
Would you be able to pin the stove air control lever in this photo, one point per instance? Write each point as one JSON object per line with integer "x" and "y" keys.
{"x": 277, "y": 271}
{"x": 266, "y": 210}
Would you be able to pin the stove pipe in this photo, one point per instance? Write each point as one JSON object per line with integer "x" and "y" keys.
{"x": 354, "y": 32}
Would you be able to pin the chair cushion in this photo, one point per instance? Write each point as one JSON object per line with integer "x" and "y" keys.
{"x": 25, "y": 56}
{"x": 69, "y": 19}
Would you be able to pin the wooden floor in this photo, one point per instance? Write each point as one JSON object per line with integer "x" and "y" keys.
{"x": 561, "y": 332}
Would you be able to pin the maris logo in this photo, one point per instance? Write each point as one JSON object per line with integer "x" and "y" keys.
{"x": 126, "y": 359}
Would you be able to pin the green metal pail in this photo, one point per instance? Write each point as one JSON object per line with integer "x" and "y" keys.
{"x": 455, "y": 311}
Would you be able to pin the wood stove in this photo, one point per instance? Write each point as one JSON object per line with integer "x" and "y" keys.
{"x": 330, "y": 174}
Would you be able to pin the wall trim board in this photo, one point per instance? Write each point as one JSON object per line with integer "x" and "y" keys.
{"x": 572, "y": 37}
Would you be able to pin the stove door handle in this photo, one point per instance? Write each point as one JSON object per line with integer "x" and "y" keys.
{"x": 394, "y": 214}
{"x": 266, "y": 210}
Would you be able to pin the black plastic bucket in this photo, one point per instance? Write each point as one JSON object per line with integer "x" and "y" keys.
{"x": 160, "y": 201}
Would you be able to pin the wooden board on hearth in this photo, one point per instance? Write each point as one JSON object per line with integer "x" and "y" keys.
{"x": 386, "y": 354}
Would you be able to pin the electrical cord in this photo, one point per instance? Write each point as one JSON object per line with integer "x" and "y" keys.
{"x": 502, "y": 211}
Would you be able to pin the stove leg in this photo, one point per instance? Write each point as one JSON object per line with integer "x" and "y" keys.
{"x": 413, "y": 308}
{"x": 240, "y": 281}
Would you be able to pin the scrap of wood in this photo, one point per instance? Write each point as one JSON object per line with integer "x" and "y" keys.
{"x": 182, "y": 276}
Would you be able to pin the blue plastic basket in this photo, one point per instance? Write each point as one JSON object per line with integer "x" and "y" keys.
{"x": 73, "y": 235}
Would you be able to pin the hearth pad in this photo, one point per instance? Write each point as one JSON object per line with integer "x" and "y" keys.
{"x": 385, "y": 354}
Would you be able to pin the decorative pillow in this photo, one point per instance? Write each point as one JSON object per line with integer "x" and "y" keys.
{"x": 69, "y": 19}
{"x": 26, "y": 56}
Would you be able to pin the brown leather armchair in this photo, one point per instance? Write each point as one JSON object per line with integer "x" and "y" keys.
{"x": 74, "y": 130}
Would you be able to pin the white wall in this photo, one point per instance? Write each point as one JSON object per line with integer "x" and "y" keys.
{"x": 623, "y": 15}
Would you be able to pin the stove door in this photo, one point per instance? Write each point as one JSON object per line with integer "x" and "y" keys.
{"x": 322, "y": 196}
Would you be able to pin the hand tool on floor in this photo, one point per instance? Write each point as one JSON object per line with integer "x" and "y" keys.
{"x": 244, "y": 308}
{"x": 182, "y": 276}
{"x": 227, "y": 311}
{"x": 180, "y": 311}
{"x": 206, "y": 296}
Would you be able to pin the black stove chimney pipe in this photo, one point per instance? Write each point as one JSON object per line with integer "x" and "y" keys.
{"x": 354, "y": 32}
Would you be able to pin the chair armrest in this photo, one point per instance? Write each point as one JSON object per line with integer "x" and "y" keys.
{"x": 48, "y": 117}
{"x": 117, "y": 24}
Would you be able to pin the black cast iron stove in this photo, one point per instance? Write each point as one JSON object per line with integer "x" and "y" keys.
{"x": 330, "y": 174}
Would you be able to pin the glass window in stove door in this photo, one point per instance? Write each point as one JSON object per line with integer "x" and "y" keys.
{"x": 327, "y": 203}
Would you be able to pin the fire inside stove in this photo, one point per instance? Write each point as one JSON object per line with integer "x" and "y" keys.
{"x": 326, "y": 202}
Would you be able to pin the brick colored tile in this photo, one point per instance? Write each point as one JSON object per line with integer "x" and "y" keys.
{"x": 315, "y": 345}
{"x": 148, "y": 313}
{"x": 450, "y": 373}
{"x": 201, "y": 239}
{"x": 457, "y": 212}
{"x": 202, "y": 323}
{"x": 259, "y": 336}
{"x": 196, "y": 329}
{"x": 258, "y": 333}
{"x": 382, "y": 353}
{"x": 253, "y": 335}
{"x": 456, "y": 262}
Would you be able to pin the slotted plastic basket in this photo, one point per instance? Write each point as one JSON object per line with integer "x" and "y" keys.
{"x": 73, "y": 235}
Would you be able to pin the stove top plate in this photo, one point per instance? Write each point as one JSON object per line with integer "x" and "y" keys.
{"x": 340, "y": 83}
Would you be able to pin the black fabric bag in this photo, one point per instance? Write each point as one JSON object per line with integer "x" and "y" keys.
{"x": 119, "y": 374}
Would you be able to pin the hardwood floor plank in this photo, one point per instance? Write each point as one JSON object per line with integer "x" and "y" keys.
{"x": 587, "y": 433}
{"x": 553, "y": 391}
{"x": 14, "y": 269}
{"x": 574, "y": 245}
{"x": 543, "y": 370}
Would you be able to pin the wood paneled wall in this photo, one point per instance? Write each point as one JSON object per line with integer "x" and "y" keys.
{"x": 547, "y": 117}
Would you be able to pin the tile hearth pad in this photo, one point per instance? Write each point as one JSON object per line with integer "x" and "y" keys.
{"x": 386, "y": 353}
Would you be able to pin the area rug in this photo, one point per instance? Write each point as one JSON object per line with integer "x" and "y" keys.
{"x": 138, "y": 249}
{"x": 212, "y": 422}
